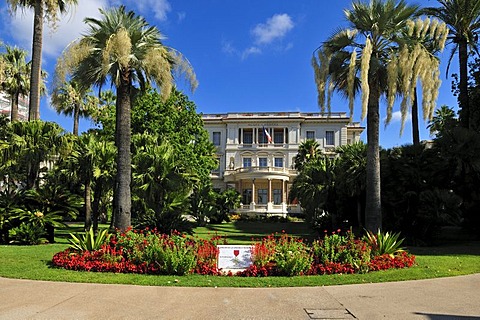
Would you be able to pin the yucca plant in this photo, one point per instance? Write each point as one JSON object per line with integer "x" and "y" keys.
{"x": 384, "y": 243}
{"x": 88, "y": 241}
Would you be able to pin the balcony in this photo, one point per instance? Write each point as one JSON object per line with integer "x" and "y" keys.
{"x": 259, "y": 173}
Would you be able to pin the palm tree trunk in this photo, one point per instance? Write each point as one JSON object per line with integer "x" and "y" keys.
{"x": 373, "y": 210}
{"x": 76, "y": 115}
{"x": 122, "y": 198}
{"x": 88, "y": 204}
{"x": 359, "y": 212}
{"x": 415, "y": 130}
{"x": 35, "y": 75}
{"x": 463, "y": 95}
{"x": 97, "y": 194}
{"x": 14, "y": 111}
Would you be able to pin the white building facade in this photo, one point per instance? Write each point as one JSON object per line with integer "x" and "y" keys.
{"x": 6, "y": 106}
{"x": 256, "y": 153}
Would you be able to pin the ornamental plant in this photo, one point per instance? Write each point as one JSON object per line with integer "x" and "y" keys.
{"x": 149, "y": 252}
{"x": 292, "y": 256}
{"x": 88, "y": 241}
{"x": 384, "y": 243}
{"x": 175, "y": 254}
{"x": 340, "y": 252}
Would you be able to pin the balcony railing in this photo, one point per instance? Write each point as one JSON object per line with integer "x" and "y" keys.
{"x": 259, "y": 169}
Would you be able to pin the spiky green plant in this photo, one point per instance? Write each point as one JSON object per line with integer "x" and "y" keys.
{"x": 88, "y": 241}
{"x": 384, "y": 243}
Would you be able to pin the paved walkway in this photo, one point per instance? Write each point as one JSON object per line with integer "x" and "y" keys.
{"x": 437, "y": 299}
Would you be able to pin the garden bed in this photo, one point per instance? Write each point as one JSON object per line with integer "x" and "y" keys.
{"x": 148, "y": 252}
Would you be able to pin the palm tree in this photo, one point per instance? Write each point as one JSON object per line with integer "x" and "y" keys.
{"x": 463, "y": 19}
{"x": 29, "y": 145}
{"x": 307, "y": 151}
{"x": 70, "y": 98}
{"x": 372, "y": 31}
{"x": 420, "y": 41}
{"x": 44, "y": 10}
{"x": 314, "y": 187}
{"x": 124, "y": 49}
{"x": 103, "y": 175}
{"x": 351, "y": 172}
{"x": 16, "y": 77}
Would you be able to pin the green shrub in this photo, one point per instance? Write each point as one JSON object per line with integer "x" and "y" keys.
{"x": 27, "y": 233}
{"x": 292, "y": 256}
{"x": 384, "y": 243}
{"x": 88, "y": 241}
{"x": 175, "y": 254}
{"x": 336, "y": 248}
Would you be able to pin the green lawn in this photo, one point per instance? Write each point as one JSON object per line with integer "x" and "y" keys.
{"x": 243, "y": 232}
{"x": 33, "y": 262}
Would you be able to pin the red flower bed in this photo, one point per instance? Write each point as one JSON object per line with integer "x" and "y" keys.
{"x": 384, "y": 262}
{"x": 142, "y": 252}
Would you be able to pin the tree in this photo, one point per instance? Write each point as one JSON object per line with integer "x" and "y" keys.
{"x": 124, "y": 49}
{"x": 28, "y": 148}
{"x": 314, "y": 187}
{"x": 420, "y": 41}
{"x": 162, "y": 185}
{"x": 43, "y": 11}
{"x": 351, "y": 173}
{"x": 443, "y": 120}
{"x": 16, "y": 77}
{"x": 374, "y": 31}
{"x": 463, "y": 20}
{"x": 70, "y": 98}
{"x": 307, "y": 151}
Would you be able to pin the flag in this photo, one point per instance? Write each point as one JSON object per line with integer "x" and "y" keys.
{"x": 269, "y": 138}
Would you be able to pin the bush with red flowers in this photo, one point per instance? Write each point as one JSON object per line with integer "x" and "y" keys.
{"x": 149, "y": 252}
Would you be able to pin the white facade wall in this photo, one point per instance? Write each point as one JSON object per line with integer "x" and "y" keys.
{"x": 266, "y": 170}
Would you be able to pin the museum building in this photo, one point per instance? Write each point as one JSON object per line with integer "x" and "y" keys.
{"x": 256, "y": 153}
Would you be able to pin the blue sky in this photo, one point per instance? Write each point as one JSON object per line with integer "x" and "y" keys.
{"x": 251, "y": 55}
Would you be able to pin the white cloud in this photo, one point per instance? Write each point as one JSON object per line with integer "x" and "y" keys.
{"x": 228, "y": 48}
{"x": 70, "y": 27}
{"x": 249, "y": 51}
{"x": 397, "y": 117}
{"x": 181, "y": 16}
{"x": 160, "y": 8}
{"x": 276, "y": 27}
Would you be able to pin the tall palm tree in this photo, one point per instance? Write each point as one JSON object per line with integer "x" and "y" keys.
{"x": 420, "y": 41}
{"x": 373, "y": 28}
{"x": 70, "y": 98}
{"x": 16, "y": 77}
{"x": 44, "y": 10}
{"x": 463, "y": 19}
{"x": 122, "y": 48}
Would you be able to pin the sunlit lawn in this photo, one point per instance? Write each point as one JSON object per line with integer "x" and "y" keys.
{"x": 33, "y": 262}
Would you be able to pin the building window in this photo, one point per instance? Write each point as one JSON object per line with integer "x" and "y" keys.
{"x": 279, "y": 162}
{"x": 277, "y": 196}
{"x": 330, "y": 138}
{"x": 263, "y": 138}
{"x": 216, "y": 138}
{"x": 310, "y": 135}
{"x": 247, "y": 162}
{"x": 262, "y": 196}
{"x": 262, "y": 162}
{"x": 247, "y": 136}
{"x": 247, "y": 196}
{"x": 278, "y": 134}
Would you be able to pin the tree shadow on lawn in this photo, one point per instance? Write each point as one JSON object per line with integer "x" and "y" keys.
{"x": 246, "y": 231}
{"x": 449, "y": 248}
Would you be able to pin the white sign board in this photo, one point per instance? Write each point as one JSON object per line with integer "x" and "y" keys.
{"x": 234, "y": 257}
